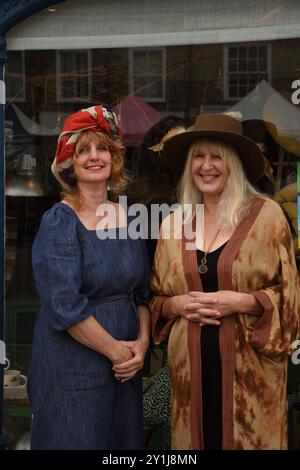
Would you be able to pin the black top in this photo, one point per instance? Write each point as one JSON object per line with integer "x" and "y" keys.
{"x": 211, "y": 361}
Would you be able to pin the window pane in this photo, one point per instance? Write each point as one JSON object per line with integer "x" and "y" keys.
{"x": 147, "y": 73}
{"x": 232, "y": 52}
{"x": 67, "y": 64}
{"x": 155, "y": 62}
{"x": 141, "y": 86}
{"x": 14, "y": 62}
{"x": 232, "y": 66}
{"x": 262, "y": 52}
{"x": 67, "y": 71}
{"x": 242, "y": 65}
{"x": 67, "y": 88}
{"x": 252, "y": 83}
{"x": 155, "y": 89}
{"x": 233, "y": 80}
{"x": 243, "y": 91}
{"x": 15, "y": 86}
{"x": 233, "y": 92}
{"x": 149, "y": 87}
{"x": 82, "y": 74}
{"x": 252, "y": 65}
{"x": 74, "y": 74}
{"x": 81, "y": 62}
{"x": 242, "y": 53}
{"x": 252, "y": 52}
{"x": 262, "y": 65}
{"x": 139, "y": 63}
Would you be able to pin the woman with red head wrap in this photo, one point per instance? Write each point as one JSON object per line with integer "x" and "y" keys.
{"x": 91, "y": 334}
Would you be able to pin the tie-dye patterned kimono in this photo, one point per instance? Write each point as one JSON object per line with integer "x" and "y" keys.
{"x": 258, "y": 259}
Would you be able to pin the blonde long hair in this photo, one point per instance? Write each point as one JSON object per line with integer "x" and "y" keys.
{"x": 238, "y": 193}
{"x": 118, "y": 179}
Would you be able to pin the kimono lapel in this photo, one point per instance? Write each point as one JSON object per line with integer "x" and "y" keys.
{"x": 193, "y": 279}
{"x": 227, "y": 332}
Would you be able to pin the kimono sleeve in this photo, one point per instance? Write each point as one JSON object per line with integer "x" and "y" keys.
{"x": 278, "y": 327}
{"x": 160, "y": 291}
{"x": 56, "y": 260}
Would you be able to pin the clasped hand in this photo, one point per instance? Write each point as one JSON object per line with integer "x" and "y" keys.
{"x": 132, "y": 360}
{"x": 207, "y": 308}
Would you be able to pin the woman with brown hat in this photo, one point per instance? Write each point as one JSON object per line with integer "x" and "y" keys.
{"x": 91, "y": 334}
{"x": 239, "y": 284}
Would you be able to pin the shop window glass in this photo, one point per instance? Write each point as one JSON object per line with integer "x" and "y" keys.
{"x": 152, "y": 89}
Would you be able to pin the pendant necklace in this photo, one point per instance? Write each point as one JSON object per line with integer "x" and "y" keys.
{"x": 202, "y": 268}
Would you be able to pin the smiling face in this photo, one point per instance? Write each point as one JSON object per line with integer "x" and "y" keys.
{"x": 208, "y": 168}
{"x": 92, "y": 160}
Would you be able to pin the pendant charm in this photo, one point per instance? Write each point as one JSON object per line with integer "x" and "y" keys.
{"x": 202, "y": 269}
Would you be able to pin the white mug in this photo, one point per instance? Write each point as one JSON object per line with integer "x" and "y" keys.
{"x": 14, "y": 378}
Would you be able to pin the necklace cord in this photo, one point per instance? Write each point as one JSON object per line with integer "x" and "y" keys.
{"x": 202, "y": 268}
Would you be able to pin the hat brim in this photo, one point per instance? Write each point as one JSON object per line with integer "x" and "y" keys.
{"x": 176, "y": 149}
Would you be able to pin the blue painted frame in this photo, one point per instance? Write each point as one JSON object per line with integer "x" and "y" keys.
{"x": 12, "y": 12}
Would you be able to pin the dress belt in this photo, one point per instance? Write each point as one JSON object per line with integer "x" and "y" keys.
{"x": 113, "y": 298}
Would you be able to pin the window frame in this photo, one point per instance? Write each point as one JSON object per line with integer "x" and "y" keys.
{"x": 226, "y": 47}
{"x": 59, "y": 97}
{"x": 131, "y": 81}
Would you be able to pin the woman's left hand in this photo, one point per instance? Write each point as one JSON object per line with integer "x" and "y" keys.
{"x": 209, "y": 307}
{"x": 126, "y": 370}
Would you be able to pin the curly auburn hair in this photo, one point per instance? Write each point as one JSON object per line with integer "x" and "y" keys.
{"x": 118, "y": 179}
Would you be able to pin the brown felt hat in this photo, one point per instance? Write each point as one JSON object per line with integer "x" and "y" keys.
{"x": 220, "y": 126}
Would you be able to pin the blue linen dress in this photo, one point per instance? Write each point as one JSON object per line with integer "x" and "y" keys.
{"x": 77, "y": 403}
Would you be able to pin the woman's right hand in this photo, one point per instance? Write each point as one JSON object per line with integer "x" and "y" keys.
{"x": 175, "y": 306}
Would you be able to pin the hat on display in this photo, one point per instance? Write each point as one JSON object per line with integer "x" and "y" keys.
{"x": 259, "y": 130}
{"x": 174, "y": 131}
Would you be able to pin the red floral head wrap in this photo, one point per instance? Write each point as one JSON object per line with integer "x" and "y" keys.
{"x": 96, "y": 119}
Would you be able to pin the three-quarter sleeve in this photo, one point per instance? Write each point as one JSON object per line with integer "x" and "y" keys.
{"x": 56, "y": 259}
